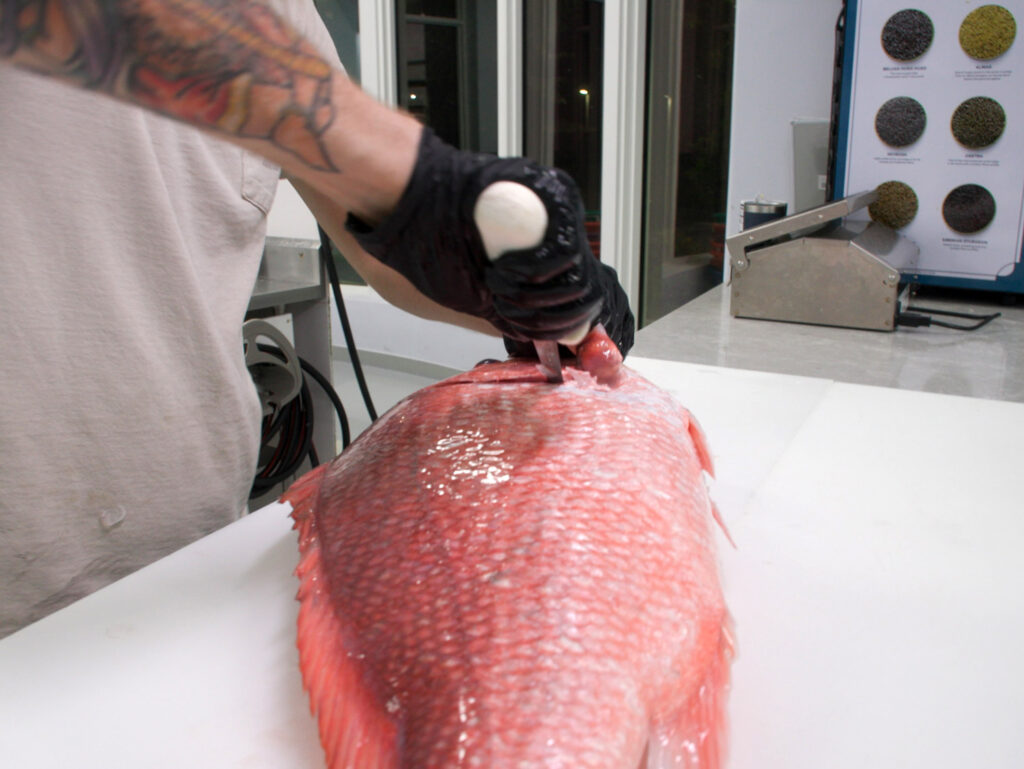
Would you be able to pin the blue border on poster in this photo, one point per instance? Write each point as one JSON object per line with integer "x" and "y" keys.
{"x": 1012, "y": 283}
{"x": 845, "y": 97}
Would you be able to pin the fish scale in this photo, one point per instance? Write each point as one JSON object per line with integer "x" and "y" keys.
{"x": 505, "y": 573}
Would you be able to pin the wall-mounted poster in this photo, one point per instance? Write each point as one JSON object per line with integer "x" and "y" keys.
{"x": 931, "y": 114}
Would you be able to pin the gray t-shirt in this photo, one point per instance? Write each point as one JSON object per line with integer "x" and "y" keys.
{"x": 129, "y": 246}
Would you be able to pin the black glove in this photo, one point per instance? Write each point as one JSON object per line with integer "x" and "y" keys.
{"x": 536, "y": 293}
{"x": 615, "y": 316}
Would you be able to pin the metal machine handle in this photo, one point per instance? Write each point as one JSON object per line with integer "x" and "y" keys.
{"x": 812, "y": 217}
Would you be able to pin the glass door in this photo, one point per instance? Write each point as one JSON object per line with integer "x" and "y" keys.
{"x": 563, "y": 83}
{"x": 689, "y": 76}
{"x": 341, "y": 17}
{"x": 447, "y": 68}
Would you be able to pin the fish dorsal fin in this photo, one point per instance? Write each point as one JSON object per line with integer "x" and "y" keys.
{"x": 354, "y": 729}
{"x": 700, "y": 443}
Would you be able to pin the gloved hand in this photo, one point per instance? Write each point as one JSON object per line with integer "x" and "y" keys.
{"x": 544, "y": 292}
{"x": 615, "y": 316}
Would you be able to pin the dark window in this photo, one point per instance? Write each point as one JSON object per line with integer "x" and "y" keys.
{"x": 432, "y": 89}
{"x": 563, "y": 85}
{"x": 689, "y": 76}
{"x": 442, "y": 8}
{"x": 447, "y": 68}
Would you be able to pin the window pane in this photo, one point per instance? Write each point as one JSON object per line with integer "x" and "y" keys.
{"x": 341, "y": 17}
{"x": 687, "y": 153}
{"x": 432, "y": 87}
{"x": 443, "y": 8}
{"x": 448, "y": 72}
{"x": 562, "y": 93}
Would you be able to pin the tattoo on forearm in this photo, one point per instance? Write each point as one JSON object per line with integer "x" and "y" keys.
{"x": 228, "y": 65}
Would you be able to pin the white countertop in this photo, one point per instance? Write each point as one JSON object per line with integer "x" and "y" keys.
{"x": 876, "y": 590}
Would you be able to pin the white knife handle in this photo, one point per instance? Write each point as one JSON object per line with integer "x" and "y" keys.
{"x": 510, "y": 216}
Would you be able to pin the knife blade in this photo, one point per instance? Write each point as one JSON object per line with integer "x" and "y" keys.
{"x": 550, "y": 360}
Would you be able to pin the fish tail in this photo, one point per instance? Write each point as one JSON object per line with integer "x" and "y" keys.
{"x": 354, "y": 730}
{"x": 697, "y": 737}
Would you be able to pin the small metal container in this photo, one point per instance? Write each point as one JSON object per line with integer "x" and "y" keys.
{"x": 757, "y": 212}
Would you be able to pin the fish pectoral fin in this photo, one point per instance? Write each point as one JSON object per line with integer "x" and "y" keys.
{"x": 695, "y": 735}
{"x": 354, "y": 728}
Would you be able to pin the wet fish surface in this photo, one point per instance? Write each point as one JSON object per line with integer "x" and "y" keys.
{"x": 502, "y": 572}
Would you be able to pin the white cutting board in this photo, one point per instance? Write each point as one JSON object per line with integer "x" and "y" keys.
{"x": 876, "y": 590}
{"x": 190, "y": 662}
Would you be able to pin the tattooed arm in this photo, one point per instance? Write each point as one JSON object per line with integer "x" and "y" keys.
{"x": 234, "y": 68}
{"x": 228, "y": 66}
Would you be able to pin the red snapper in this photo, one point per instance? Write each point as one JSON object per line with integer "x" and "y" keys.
{"x": 501, "y": 572}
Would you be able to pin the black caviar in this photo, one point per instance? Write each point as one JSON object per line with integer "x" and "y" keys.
{"x": 900, "y": 121}
{"x": 969, "y": 208}
{"x": 907, "y": 34}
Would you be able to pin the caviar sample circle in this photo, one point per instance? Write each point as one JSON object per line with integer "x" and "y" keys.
{"x": 969, "y": 208}
{"x": 987, "y": 32}
{"x": 896, "y": 206}
{"x": 978, "y": 122}
{"x": 907, "y": 34}
{"x": 900, "y": 121}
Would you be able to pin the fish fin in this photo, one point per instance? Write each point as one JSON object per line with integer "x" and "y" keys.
{"x": 701, "y": 444}
{"x": 695, "y": 737}
{"x": 354, "y": 729}
{"x": 717, "y": 515}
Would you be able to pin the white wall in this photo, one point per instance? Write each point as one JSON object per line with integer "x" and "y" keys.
{"x": 380, "y": 328}
{"x": 782, "y": 70}
{"x": 289, "y": 217}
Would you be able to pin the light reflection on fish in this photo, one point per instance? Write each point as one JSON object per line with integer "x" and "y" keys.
{"x": 507, "y": 573}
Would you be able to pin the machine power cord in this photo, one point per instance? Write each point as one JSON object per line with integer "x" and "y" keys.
{"x": 916, "y": 317}
{"x": 292, "y": 429}
{"x": 287, "y": 437}
{"x": 327, "y": 257}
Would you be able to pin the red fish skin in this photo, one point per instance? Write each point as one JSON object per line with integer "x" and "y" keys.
{"x": 509, "y": 573}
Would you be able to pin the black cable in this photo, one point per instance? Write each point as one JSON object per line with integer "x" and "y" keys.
{"x": 320, "y": 379}
{"x": 980, "y": 320}
{"x": 325, "y": 385}
{"x": 951, "y": 313}
{"x": 292, "y": 427}
{"x": 915, "y": 317}
{"x": 327, "y": 257}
